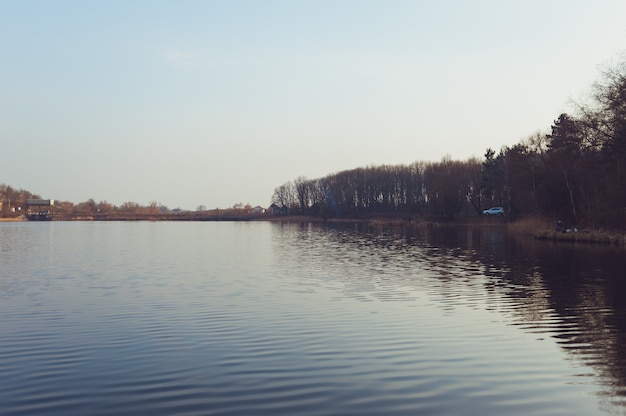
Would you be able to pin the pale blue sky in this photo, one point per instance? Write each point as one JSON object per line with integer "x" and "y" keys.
{"x": 216, "y": 102}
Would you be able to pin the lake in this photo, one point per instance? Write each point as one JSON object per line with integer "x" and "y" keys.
{"x": 261, "y": 318}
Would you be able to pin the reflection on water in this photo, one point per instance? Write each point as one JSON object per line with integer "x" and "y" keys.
{"x": 572, "y": 294}
{"x": 263, "y": 318}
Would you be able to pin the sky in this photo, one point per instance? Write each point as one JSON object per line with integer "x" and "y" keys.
{"x": 212, "y": 103}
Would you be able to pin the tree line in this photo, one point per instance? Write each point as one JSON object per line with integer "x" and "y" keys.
{"x": 576, "y": 172}
{"x": 13, "y": 204}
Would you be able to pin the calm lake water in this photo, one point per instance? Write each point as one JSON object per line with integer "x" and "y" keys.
{"x": 222, "y": 318}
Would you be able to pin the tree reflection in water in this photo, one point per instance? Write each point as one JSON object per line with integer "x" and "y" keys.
{"x": 572, "y": 293}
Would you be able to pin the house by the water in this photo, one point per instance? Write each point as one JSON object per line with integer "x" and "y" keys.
{"x": 39, "y": 209}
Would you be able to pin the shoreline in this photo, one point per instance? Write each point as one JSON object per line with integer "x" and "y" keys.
{"x": 538, "y": 229}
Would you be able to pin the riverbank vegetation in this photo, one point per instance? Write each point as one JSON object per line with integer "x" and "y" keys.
{"x": 543, "y": 229}
{"x": 575, "y": 173}
{"x": 91, "y": 210}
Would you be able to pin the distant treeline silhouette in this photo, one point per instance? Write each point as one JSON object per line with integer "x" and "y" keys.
{"x": 577, "y": 172}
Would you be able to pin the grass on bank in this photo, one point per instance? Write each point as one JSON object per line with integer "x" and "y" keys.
{"x": 543, "y": 229}
{"x": 538, "y": 228}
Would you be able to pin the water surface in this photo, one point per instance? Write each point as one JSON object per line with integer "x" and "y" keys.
{"x": 167, "y": 318}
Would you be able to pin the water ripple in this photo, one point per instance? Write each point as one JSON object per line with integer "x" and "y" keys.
{"x": 178, "y": 318}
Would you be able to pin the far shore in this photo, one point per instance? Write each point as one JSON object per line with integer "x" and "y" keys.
{"x": 539, "y": 229}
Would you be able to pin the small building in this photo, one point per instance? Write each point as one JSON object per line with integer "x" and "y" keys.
{"x": 39, "y": 209}
{"x": 258, "y": 210}
{"x": 275, "y": 209}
